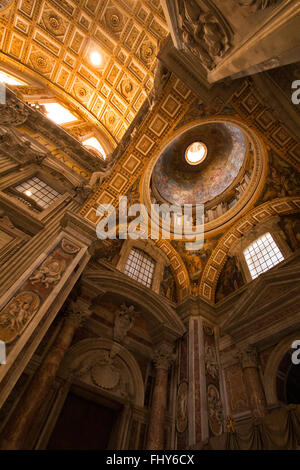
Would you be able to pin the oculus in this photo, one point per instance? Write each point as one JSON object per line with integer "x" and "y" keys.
{"x": 196, "y": 153}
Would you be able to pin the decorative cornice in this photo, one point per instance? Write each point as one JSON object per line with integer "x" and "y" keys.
{"x": 74, "y": 224}
{"x": 15, "y": 112}
{"x": 164, "y": 323}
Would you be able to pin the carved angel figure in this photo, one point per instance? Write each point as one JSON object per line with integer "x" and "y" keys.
{"x": 124, "y": 320}
{"x": 49, "y": 273}
{"x": 17, "y": 313}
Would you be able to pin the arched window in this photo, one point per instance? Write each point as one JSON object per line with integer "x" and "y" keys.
{"x": 262, "y": 255}
{"x": 9, "y": 79}
{"x": 94, "y": 144}
{"x": 140, "y": 266}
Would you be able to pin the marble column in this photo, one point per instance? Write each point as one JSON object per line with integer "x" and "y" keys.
{"x": 18, "y": 427}
{"x": 256, "y": 396}
{"x": 163, "y": 356}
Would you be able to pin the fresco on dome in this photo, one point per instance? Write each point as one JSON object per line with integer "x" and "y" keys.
{"x": 180, "y": 183}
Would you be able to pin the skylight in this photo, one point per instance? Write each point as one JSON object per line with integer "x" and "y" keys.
{"x": 196, "y": 153}
{"x": 93, "y": 142}
{"x": 262, "y": 255}
{"x": 58, "y": 113}
{"x": 10, "y": 79}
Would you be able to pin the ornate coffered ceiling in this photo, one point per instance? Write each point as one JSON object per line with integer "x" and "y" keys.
{"x": 53, "y": 40}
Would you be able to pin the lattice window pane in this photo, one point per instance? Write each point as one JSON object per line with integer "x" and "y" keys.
{"x": 39, "y": 191}
{"x": 262, "y": 255}
{"x": 140, "y": 267}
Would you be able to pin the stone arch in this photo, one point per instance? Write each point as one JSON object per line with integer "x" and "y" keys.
{"x": 159, "y": 311}
{"x": 217, "y": 260}
{"x": 172, "y": 257}
{"x": 272, "y": 367}
{"x": 92, "y": 350}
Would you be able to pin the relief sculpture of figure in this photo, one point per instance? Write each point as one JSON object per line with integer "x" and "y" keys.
{"x": 17, "y": 314}
{"x": 215, "y": 410}
{"x": 211, "y": 363}
{"x": 202, "y": 33}
{"x": 124, "y": 321}
{"x": 49, "y": 273}
{"x": 214, "y": 36}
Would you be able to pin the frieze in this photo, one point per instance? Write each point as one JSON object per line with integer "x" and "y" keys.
{"x": 17, "y": 314}
{"x": 24, "y": 305}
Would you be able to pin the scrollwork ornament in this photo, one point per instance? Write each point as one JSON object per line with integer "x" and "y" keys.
{"x": 13, "y": 113}
{"x": 68, "y": 247}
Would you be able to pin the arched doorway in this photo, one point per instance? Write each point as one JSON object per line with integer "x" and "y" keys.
{"x": 288, "y": 380}
{"x": 87, "y": 421}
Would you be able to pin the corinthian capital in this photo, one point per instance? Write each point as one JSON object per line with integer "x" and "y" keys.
{"x": 78, "y": 313}
{"x": 248, "y": 357}
{"x": 163, "y": 356}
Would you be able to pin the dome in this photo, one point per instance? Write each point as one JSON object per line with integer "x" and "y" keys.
{"x": 178, "y": 181}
